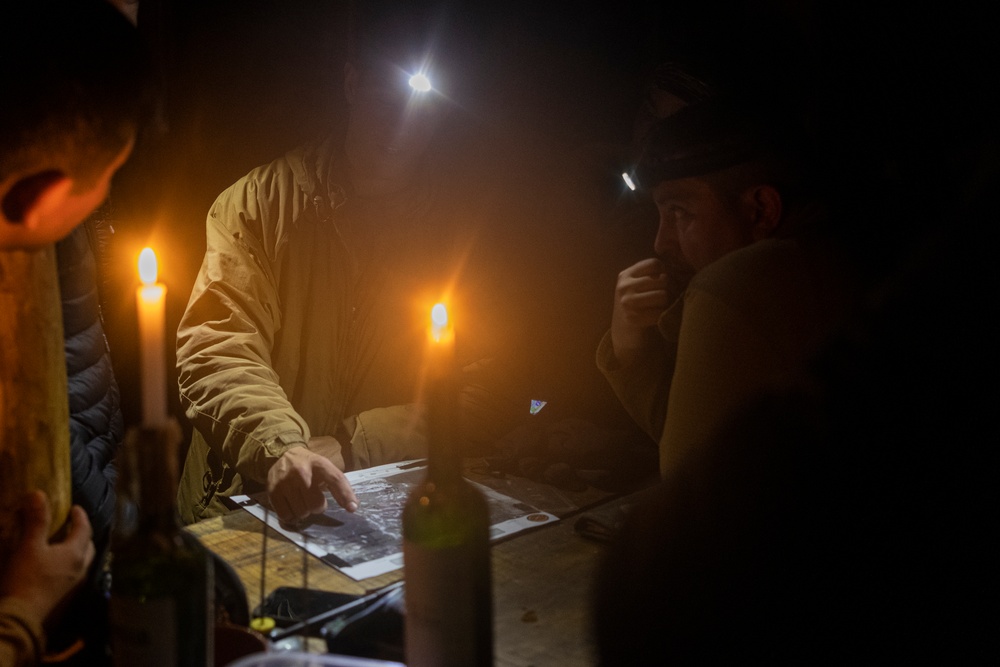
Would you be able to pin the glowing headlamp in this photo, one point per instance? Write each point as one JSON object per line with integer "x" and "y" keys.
{"x": 420, "y": 83}
{"x": 627, "y": 177}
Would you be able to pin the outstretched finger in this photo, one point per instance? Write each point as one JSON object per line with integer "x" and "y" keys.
{"x": 338, "y": 486}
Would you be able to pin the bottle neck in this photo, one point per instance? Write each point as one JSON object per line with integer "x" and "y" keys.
{"x": 151, "y": 468}
{"x": 157, "y": 505}
{"x": 444, "y": 458}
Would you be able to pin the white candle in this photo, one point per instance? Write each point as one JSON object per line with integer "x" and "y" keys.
{"x": 442, "y": 341}
{"x": 150, "y": 302}
{"x": 440, "y": 326}
{"x": 442, "y": 387}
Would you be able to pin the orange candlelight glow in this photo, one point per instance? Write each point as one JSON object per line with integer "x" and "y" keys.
{"x": 440, "y": 358}
{"x": 150, "y": 305}
{"x": 440, "y": 325}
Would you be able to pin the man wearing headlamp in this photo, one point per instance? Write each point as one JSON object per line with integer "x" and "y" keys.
{"x": 734, "y": 203}
{"x": 299, "y": 350}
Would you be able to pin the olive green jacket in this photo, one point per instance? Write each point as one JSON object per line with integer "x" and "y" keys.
{"x": 746, "y": 323}
{"x": 309, "y": 309}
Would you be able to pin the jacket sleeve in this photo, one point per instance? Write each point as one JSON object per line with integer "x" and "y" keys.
{"x": 228, "y": 387}
{"x": 644, "y": 387}
{"x": 96, "y": 424}
{"x": 389, "y": 434}
{"x": 21, "y": 639}
{"x": 399, "y": 432}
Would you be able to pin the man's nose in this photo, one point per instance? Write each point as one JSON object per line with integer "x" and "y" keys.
{"x": 666, "y": 242}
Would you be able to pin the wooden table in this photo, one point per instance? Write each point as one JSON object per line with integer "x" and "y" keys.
{"x": 541, "y": 578}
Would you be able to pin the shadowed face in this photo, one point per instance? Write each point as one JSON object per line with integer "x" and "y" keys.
{"x": 391, "y": 127}
{"x": 696, "y": 223}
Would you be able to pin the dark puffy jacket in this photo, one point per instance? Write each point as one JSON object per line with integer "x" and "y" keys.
{"x": 96, "y": 422}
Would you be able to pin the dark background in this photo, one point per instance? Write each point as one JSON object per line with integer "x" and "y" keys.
{"x": 893, "y": 87}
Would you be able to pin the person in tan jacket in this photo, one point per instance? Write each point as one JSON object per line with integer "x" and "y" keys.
{"x": 299, "y": 353}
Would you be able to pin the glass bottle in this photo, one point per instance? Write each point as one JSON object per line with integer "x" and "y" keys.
{"x": 162, "y": 588}
{"x": 446, "y": 529}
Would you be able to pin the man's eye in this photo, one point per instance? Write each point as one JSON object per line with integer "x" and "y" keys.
{"x": 682, "y": 218}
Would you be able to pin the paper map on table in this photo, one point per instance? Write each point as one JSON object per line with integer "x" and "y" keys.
{"x": 369, "y": 542}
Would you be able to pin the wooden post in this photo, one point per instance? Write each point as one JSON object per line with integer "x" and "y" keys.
{"x": 34, "y": 405}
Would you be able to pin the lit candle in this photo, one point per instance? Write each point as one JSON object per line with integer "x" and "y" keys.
{"x": 442, "y": 388}
{"x": 442, "y": 337}
{"x": 441, "y": 331}
{"x": 150, "y": 302}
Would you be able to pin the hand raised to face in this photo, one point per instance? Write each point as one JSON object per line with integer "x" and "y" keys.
{"x": 641, "y": 296}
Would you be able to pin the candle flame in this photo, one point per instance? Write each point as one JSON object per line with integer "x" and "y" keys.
{"x": 147, "y": 266}
{"x": 439, "y": 320}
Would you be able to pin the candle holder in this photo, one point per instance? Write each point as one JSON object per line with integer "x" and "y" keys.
{"x": 149, "y": 451}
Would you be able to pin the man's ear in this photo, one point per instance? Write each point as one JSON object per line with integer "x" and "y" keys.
{"x": 763, "y": 203}
{"x": 32, "y": 198}
{"x": 351, "y": 82}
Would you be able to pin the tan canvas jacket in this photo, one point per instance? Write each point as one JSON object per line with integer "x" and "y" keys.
{"x": 306, "y": 311}
{"x": 746, "y": 323}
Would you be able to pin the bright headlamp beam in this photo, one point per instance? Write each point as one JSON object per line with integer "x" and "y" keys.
{"x": 420, "y": 83}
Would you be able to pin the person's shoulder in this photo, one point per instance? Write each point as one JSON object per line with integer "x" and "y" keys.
{"x": 261, "y": 199}
{"x": 778, "y": 283}
{"x": 767, "y": 261}
{"x": 294, "y": 169}
{"x": 302, "y": 163}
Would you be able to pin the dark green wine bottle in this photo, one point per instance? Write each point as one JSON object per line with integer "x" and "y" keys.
{"x": 446, "y": 534}
{"x": 162, "y": 585}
